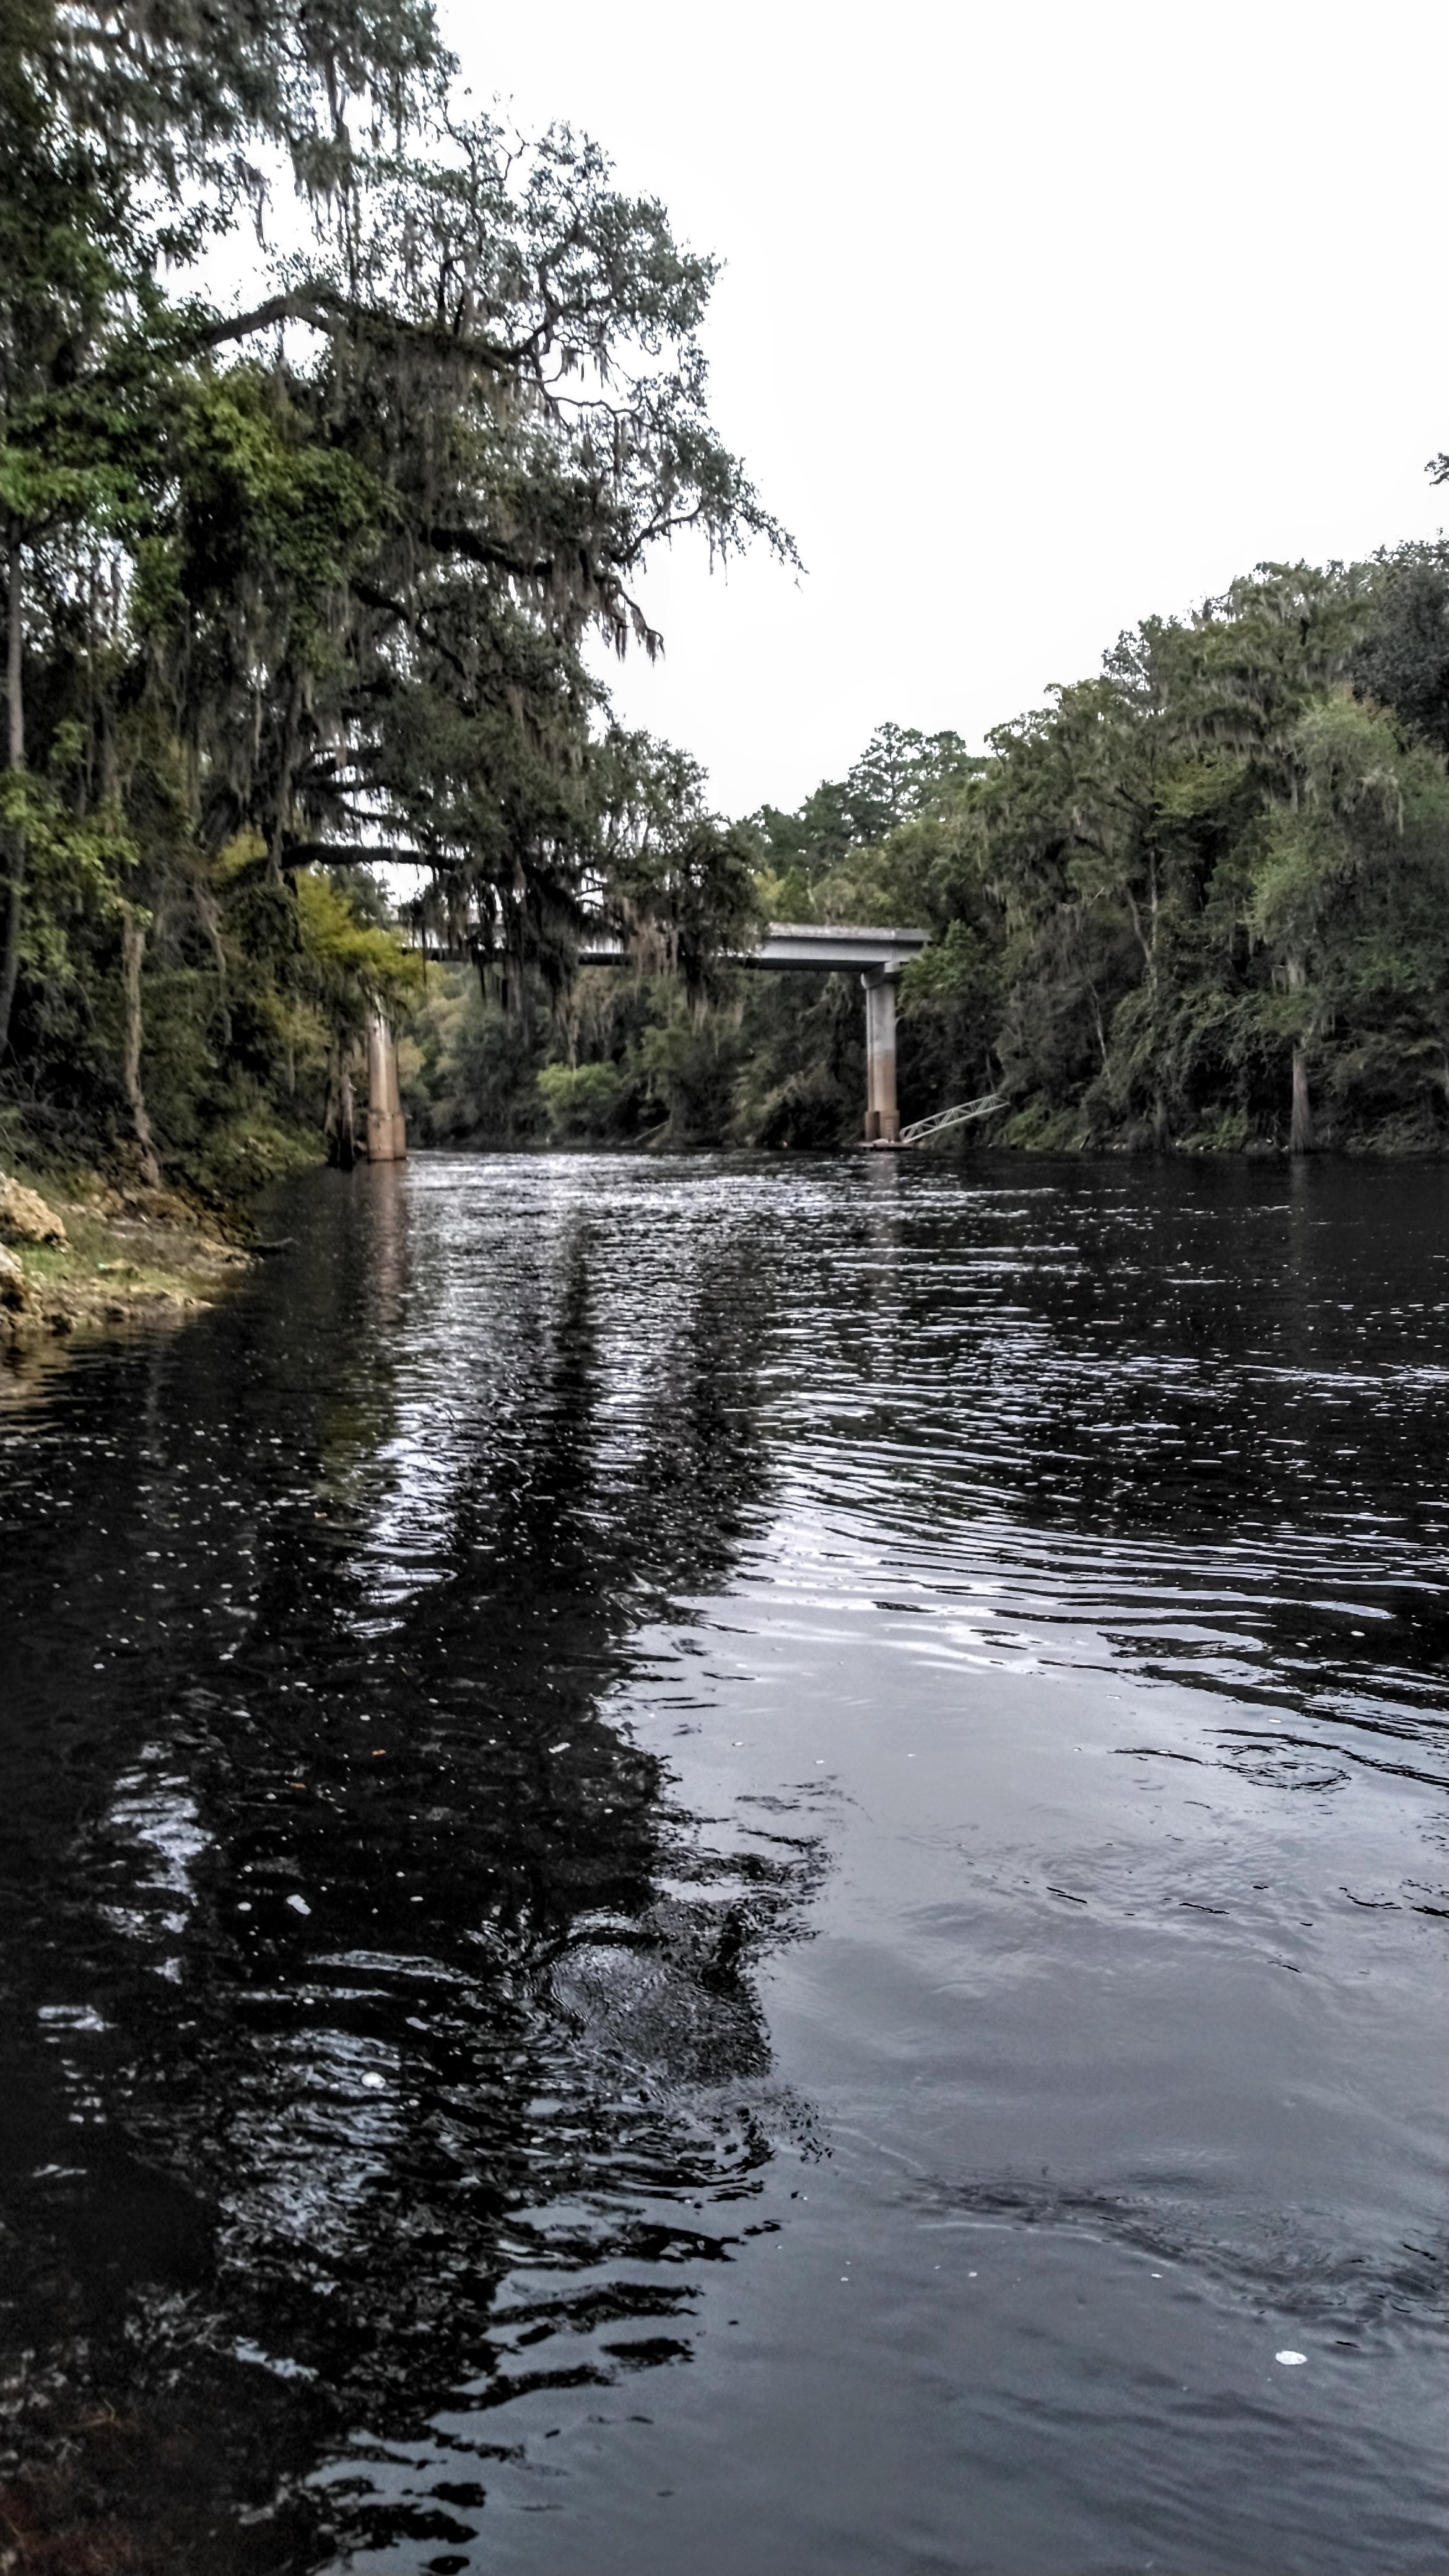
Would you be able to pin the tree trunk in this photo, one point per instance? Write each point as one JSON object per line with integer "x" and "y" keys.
{"x": 15, "y": 760}
{"x": 1300, "y": 1123}
{"x": 339, "y": 1124}
{"x": 1300, "y": 1127}
{"x": 210, "y": 920}
{"x": 14, "y": 626}
{"x": 133, "y": 948}
{"x": 291, "y": 739}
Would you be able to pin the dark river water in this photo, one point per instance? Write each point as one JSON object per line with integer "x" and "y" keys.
{"x": 737, "y": 1868}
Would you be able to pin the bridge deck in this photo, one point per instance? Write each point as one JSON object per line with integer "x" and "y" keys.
{"x": 810, "y": 946}
{"x": 877, "y": 954}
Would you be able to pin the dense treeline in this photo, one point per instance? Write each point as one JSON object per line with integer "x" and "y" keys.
{"x": 1200, "y": 900}
{"x": 290, "y": 586}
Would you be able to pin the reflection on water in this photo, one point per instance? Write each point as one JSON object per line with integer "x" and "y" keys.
{"x": 772, "y": 1823}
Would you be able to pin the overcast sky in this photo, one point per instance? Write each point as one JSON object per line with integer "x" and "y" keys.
{"x": 1034, "y": 319}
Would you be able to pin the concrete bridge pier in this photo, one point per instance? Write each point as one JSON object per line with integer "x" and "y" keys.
{"x": 386, "y": 1137}
{"x": 882, "y": 1118}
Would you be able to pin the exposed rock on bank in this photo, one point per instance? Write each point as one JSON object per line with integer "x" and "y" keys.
{"x": 100, "y": 1256}
{"x": 24, "y": 1216}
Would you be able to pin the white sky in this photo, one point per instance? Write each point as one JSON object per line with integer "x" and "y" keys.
{"x": 1035, "y": 319}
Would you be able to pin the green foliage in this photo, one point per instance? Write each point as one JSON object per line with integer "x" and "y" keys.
{"x": 468, "y": 1067}
{"x": 315, "y": 581}
{"x": 351, "y": 964}
{"x": 821, "y": 863}
{"x": 1199, "y": 900}
{"x": 689, "y": 1061}
{"x": 580, "y": 1100}
{"x": 1403, "y": 661}
{"x": 1190, "y": 892}
{"x": 677, "y": 881}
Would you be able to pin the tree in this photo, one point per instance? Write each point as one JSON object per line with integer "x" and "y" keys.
{"x": 900, "y": 774}
{"x": 1403, "y": 661}
{"x": 1365, "y": 820}
{"x": 313, "y": 580}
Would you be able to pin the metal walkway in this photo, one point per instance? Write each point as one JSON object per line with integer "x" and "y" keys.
{"x": 921, "y": 1129}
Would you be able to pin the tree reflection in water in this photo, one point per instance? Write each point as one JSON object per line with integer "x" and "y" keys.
{"x": 433, "y": 2012}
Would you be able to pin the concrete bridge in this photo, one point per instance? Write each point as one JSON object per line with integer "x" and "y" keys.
{"x": 805, "y": 947}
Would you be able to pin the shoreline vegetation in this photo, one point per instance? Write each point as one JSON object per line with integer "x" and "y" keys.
{"x": 298, "y": 594}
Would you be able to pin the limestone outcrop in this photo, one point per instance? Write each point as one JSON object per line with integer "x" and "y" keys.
{"x": 24, "y": 1216}
{"x": 16, "y": 1293}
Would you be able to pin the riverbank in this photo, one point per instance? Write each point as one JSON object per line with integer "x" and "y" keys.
{"x": 78, "y": 1253}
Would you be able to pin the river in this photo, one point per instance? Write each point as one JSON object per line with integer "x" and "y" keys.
{"x": 736, "y": 1867}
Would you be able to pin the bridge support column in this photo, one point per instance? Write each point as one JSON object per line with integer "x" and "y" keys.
{"x": 386, "y": 1137}
{"x": 882, "y": 1118}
